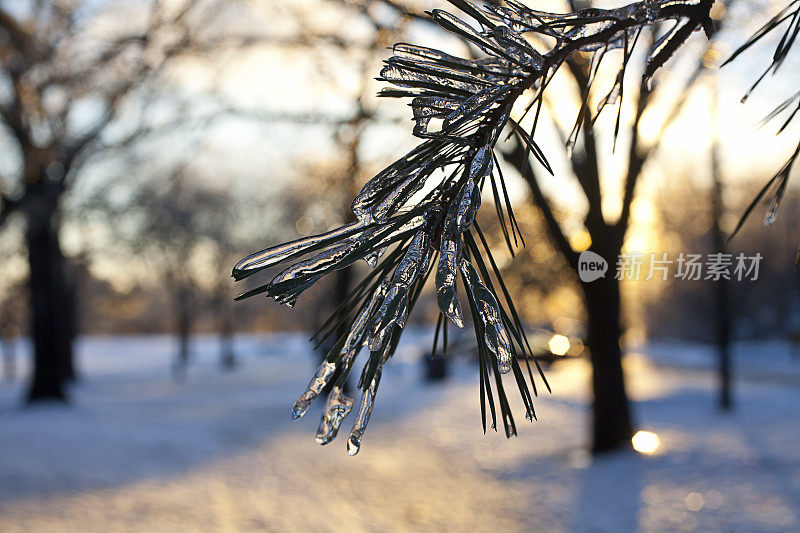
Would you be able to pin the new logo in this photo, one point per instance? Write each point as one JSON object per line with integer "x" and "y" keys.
{"x": 591, "y": 266}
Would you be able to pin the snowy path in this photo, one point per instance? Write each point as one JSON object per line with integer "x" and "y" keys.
{"x": 137, "y": 452}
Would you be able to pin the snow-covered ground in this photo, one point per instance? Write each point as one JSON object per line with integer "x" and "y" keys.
{"x": 137, "y": 452}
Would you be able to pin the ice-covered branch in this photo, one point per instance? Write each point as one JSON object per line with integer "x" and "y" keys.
{"x": 460, "y": 107}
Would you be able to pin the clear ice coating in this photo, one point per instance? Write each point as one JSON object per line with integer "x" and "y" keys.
{"x": 376, "y": 188}
{"x": 446, "y": 276}
{"x": 372, "y": 257}
{"x": 422, "y": 55}
{"x": 288, "y": 285}
{"x": 481, "y": 164}
{"x": 394, "y": 305}
{"x": 276, "y": 254}
{"x": 456, "y": 25}
{"x": 336, "y": 409}
{"x": 357, "y": 329}
{"x": 407, "y": 78}
{"x": 612, "y": 96}
{"x": 474, "y": 105}
{"x": 772, "y": 211}
{"x": 469, "y": 201}
{"x": 518, "y": 48}
{"x": 651, "y": 9}
{"x": 339, "y": 405}
{"x": 318, "y": 382}
{"x": 364, "y": 412}
{"x": 459, "y": 219}
{"x": 497, "y": 339}
{"x": 570, "y": 146}
{"x": 401, "y": 193}
{"x": 775, "y": 204}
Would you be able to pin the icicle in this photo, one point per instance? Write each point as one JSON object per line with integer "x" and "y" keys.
{"x": 364, "y": 412}
{"x": 414, "y": 262}
{"x": 446, "y": 275}
{"x": 356, "y": 334}
{"x": 772, "y": 212}
{"x": 288, "y": 295}
{"x": 402, "y": 316}
{"x": 481, "y": 163}
{"x": 469, "y": 201}
{"x": 339, "y": 405}
{"x": 336, "y": 409}
{"x": 459, "y": 219}
{"x": 318, "y": 382}
{"x": 570, "y": 147}
{"x": 497, "y": 339}
{"x": 611, "y": 97}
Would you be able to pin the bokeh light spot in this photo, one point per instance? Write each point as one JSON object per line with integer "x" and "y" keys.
{"x": 304, "y": 225}
{"x": 646, "y": 442}
{"x": 559, "y": 344}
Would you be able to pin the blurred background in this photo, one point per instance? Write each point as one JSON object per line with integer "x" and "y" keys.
{"x": 147, "y": 146}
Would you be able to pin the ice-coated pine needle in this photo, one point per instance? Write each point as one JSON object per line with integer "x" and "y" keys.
{"x": 497, "y": 339}
{"x": 318, "y": 382}
{"x": 336, "y": 409}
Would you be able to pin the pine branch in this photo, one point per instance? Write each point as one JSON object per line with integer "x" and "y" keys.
{"x": 460, "y": 107}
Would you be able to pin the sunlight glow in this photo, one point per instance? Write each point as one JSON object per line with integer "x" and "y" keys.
{"x": 559, "y": 344}
{"x": 643, "y": 210}
{"x": 646, "y": 442}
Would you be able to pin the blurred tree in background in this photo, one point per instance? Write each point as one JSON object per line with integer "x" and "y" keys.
{"x": 185, "y": 233}
{"x": 74, "y": 74}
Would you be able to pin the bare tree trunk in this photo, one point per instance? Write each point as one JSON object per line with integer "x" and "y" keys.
{"x": 9, "y": 359}
{"x": 723, "y": 312}
{"x": 723, "y": 342}
{"x": 612, "y": 426}
{"x": 227, "y": 353}
{"x": 52, "y": 339}
{"x": 611, "y": 421}
{"x": 183, "y": 330}
{"x": 71, "y": 324}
